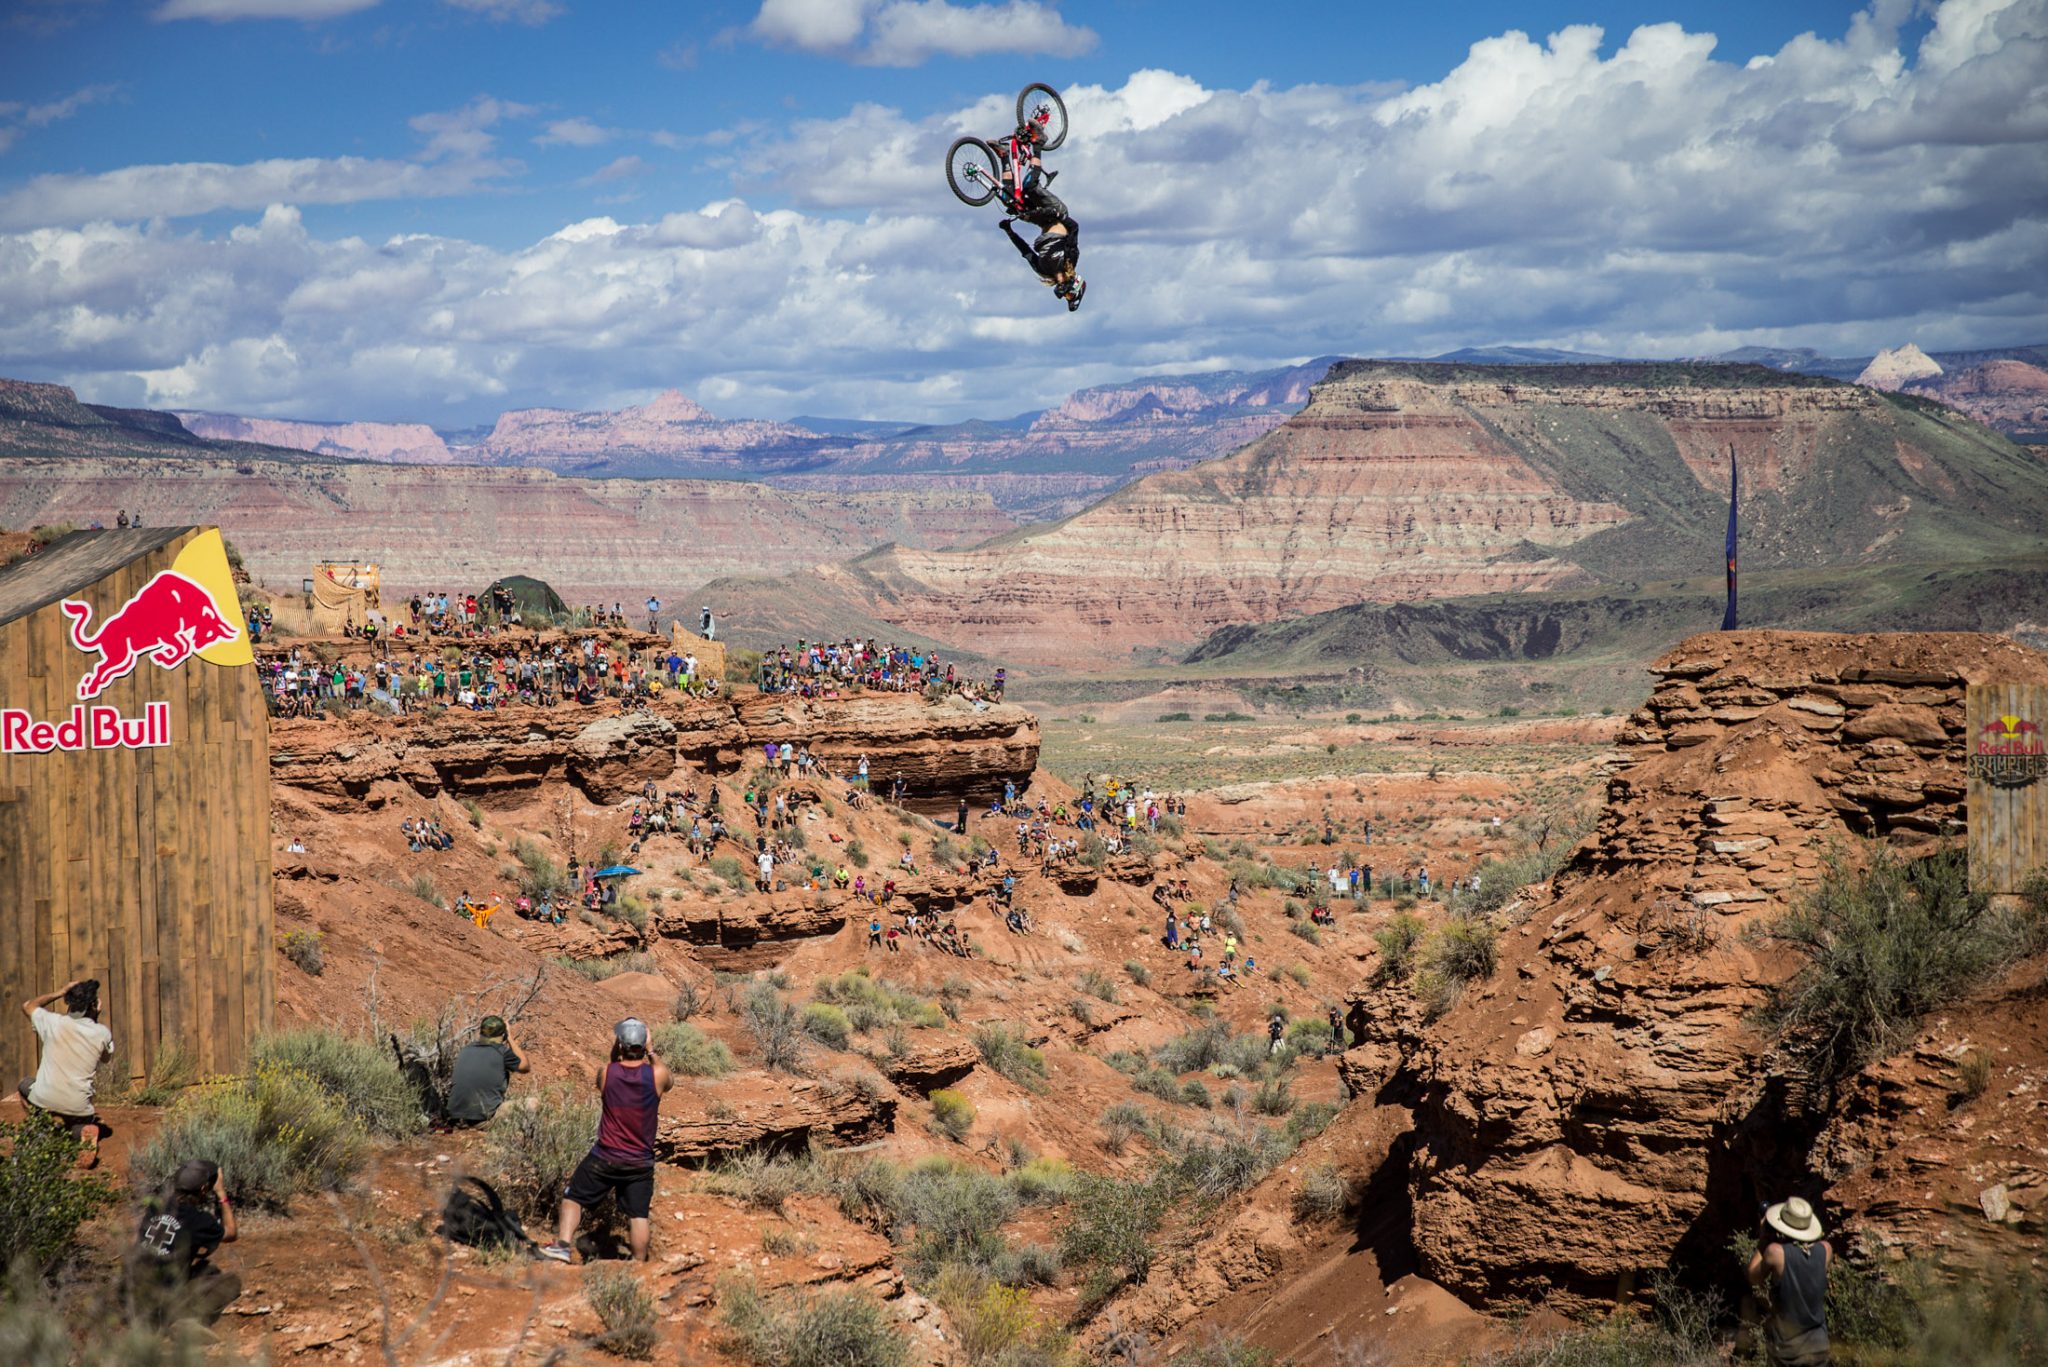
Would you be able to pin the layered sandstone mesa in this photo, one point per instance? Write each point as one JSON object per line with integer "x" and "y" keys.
{"x": 2011, "y": 396}
{"x": 1403, "y": 481}
{"x": 459, "y": 527}
{"x": 1602, "y": 1106}
{"x": 671, "y": 427}
{"x": 402, "y": 443}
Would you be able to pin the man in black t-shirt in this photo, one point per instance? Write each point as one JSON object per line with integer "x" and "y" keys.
{"x": 483, "y": 1072}
{"x": 170, "y": 1272}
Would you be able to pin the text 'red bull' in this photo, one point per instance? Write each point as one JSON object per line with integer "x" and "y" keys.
{"x": 87, "y": 728}
{"x": 169, "y": 620}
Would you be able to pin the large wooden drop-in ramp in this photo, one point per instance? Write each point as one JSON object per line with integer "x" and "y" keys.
{"x": 134, "y": 810}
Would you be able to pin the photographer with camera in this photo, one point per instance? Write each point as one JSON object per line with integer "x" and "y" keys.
{"x": 74, "y": 1044}
{"x": 1790, "y": 1272}
{"x": 170, "y": 1272}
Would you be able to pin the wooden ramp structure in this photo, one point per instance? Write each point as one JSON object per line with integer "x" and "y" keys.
{"x": 134, "y": 796}
{"x": 2007, "y": 766}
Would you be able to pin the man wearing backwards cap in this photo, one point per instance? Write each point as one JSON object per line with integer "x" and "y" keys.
{"x": 1790, "y": 1267}
{"x": 621, "y": 1163}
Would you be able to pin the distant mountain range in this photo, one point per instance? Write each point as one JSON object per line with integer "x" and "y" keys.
{"x": 1405, "y": 482}
{"x": 1048, "y": 462}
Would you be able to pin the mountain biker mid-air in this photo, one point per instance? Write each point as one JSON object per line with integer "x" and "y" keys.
{"x": 1055, "y": 254}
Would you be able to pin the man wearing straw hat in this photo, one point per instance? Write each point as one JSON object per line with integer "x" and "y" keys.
{"x": 1790, "y": 1268}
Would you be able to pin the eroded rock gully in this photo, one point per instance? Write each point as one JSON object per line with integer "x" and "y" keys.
{"x": 1600, "y": 1107}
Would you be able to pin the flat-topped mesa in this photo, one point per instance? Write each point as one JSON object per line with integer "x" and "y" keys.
{"x": 942, "y": 750}
{"x": 1602, "y": 1105}
{"x": 1404, "y": 481}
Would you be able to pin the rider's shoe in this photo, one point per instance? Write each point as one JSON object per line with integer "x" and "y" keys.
{"x": 1074, "y": 295}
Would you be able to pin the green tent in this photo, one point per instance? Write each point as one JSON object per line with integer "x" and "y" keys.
{"x": 534, "y": 601}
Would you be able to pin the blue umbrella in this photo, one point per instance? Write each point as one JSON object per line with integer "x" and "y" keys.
{"x": 615, "y": 871}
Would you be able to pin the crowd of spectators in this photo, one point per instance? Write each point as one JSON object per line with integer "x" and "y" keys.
{"x": 485, "y": 676}
{"x": 824, "y": 668}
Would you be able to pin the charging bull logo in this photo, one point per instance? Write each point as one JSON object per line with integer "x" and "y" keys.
{"x": 2009, "y": 753}
{"x": 189, "y": 609}
{"x": 168, "y": 622}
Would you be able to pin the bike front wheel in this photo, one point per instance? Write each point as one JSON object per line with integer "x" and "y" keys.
{"x": 973, "y": 171}
{"x": 1028, "y": 101}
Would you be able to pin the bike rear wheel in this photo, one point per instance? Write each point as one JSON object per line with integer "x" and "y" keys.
{"x": 1038, "y": 92}
{"x": 972, "y": 154}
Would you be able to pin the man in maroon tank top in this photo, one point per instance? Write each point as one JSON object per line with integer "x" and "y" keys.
{"x": 621, "y": 1163}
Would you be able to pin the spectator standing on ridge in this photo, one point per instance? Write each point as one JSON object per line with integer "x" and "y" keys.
{"x": 960, "y": 817}
{"x": 621, "y": 1163}
{"x": 483, "y": 1073}
{"x": 74, "y": 1045}
{"x": 1276, "y": 1031}
{"x": 1790, "y": 1270}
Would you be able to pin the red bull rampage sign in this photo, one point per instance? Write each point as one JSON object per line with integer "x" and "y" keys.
{"x": 187, "y": 610}
{"x": 2008, "y": 752}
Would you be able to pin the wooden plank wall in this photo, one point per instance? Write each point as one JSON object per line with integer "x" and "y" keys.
{"x": 2008, "y": 833}
{"x": 146, "y": 869}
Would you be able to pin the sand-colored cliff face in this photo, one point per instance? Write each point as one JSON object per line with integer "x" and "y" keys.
{"x": 459, "y": 527}
{"x": 1603, "y": 1104}
{"x": 1419, "y": 481}
{"x": 410, "y": 443}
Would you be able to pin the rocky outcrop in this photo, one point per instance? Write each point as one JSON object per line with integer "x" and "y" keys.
{"x": 930, "y": 1063}
{"x": 1896, "y": 368}
{"x": 941, "y": 748}
{"x": 1414, "y": 481}
{"x": 786, "y": 1117}
{"x": 1600, "y": 1107}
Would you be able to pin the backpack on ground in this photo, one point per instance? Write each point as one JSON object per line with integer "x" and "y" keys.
{"x": 421, "y": 1080}
{"x": 478, "y": 1217}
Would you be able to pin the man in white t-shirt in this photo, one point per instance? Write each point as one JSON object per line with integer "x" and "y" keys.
{"x": 74, "y": 1044}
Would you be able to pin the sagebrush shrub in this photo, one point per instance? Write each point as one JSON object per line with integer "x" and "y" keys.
{"x": 952, "y": 1113}
{"x": 1884, "y": 945}
{"x": 691, "y": 1052}
{"x": 275, "y": 1133}
{"x": 363, "y": 1074}
{"x": 41, "y": 1203}
{"x": 801, "y": 1329}
{"x": 534, "y": 1143}
{"x": 624, "y": 1308}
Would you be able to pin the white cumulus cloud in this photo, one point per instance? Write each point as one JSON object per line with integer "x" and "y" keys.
{"x": 516, "y": 11}
{"x": 1631, "y": 194}
{"x": 223, "y": 11}
{"x": 911, "y": 32}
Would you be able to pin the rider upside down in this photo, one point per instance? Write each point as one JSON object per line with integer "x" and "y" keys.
{"x": 1055, "y": 254}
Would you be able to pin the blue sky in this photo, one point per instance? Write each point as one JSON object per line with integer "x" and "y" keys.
{"x": 435, "y": 209}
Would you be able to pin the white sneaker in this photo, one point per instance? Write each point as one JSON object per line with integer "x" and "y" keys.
{"x": 558, "y": 1252}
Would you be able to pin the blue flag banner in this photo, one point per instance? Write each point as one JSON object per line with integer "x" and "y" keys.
{"x": 1728, "y": 618}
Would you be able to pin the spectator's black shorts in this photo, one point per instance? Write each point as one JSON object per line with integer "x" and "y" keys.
{"x": 595, "y": 1178}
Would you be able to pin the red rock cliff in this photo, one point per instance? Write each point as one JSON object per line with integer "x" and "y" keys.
{"x": 1600, "y": 1106}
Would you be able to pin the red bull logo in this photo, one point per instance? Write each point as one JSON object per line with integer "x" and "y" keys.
{"x": 2010, "y": 752}
{"x": 87, "y": 728}
{"x": 167, "y": 622}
